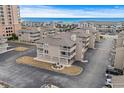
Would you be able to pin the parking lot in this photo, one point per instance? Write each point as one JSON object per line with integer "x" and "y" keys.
{"x": 19, "y": 75}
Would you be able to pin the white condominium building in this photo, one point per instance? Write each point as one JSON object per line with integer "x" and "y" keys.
{"x": 29, "y": 36}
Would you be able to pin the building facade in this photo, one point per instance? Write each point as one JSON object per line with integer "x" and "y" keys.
{"x": 3, "y": 44}
{"x": 59, "y": 49}
{"x": 28, "y": 36}
{"x": 9, "y": 20}
{"x": 65, "y": 47}
{"x": 119, "y": 51}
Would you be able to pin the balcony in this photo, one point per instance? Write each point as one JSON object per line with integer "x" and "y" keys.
{"x": 35, "y": 34}
{"x": 68, "y": 56}
{"x": 68, "y": 49}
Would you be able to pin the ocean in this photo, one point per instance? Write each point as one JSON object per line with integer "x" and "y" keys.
{"x": 70, "y": 19}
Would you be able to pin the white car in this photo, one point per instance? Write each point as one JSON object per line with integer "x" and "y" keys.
{"x": 108, "y": 75}
{"x": 108, "y": 80}
{"x": 85, "y": 61}
{"x": 107, "y": 83}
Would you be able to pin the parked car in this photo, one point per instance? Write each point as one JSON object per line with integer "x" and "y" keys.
{"x": 114, "y": 71}
{"x": 108, "y": 76}
{"x": 109, "y": 80}
{"x": 108, "y": 86}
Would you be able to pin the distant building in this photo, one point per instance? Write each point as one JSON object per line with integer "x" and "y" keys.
{"x": 29, "y": 36}
{"x": 103, "y": 26}
{"x": 38, "y": 24}
{"x": 9, "y": 20}
{"x": 3, "y": 44}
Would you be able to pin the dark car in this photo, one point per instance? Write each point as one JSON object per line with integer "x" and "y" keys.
{"x": 114, "y": 71}
{"x": 119, "y": 70}
{"x": 108, "y": 86}
{"x": 108, "y": 76}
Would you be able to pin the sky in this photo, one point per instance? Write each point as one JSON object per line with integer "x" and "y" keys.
{"x": 72, "y": 11}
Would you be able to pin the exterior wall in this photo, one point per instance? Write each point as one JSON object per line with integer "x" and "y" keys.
{"x": 119, "y": 58}
{"x": 25, "y": 37}
{"x": 28, "y": 37}
{"x": 3, "y": 45}
{"x": 79, "y": 51}
{"x": 92, "y": 41}
{"x": 81, "y": 47}
{"x": 119, "y": 42}
{"x": 97, "y": 36}
{"x": 10, "y": 23}
{"x": 54, "y": 55}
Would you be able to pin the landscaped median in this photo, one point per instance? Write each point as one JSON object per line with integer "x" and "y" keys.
{"x": 4, "y": 85}
{"x": 20, "y": 49}
{"x": 72, "y": 70}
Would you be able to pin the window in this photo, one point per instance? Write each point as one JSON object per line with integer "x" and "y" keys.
{"x": 8, "y": 5}
{"x": 9, "y": 15}
{"x": 46, "y": 51}
{"x": 63, "y": 53}
{"x": 9, "y": 12}
{"x": 3, "y": 22}
{"x": 10, "y": 22}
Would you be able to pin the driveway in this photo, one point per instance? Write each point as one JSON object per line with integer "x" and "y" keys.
{"x": 26, "y": 76}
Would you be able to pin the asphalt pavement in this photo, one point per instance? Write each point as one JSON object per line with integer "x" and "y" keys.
{"x": 19, "y": 75}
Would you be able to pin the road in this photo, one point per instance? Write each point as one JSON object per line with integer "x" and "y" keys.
{"x": 26, "y": 76}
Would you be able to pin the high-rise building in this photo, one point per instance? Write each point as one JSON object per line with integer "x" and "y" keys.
{"x": 9, "y": 20}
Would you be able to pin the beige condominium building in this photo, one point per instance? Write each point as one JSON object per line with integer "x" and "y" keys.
{"x": 89, "y": 26}
{"x": 82, "y": 43}
{"x": 28, "y": 36}
{"x": 64, "y": 48}
{"x": 45, "y": 31}
{"x": 119, "y": 58}
{"x": 118, "y": 81}
{"x": 9, "y": 20}
{"x": 120, "y": 40}
{"x": 3, "y": 44}
{"x": 59, "y": 49}
{"x": 119, "y": 55}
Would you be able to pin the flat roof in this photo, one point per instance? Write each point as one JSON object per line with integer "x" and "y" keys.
{"x": 60, "y": 39}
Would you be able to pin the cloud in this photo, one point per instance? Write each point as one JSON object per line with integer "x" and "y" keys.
{"x": 49, "y": 11}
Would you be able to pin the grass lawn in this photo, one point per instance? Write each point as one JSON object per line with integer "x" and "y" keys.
{"x": 73, "y": 70}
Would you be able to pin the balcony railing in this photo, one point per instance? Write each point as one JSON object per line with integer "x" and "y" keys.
{"x": 68, "y": 56}
{"x": 68, "y": 49}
